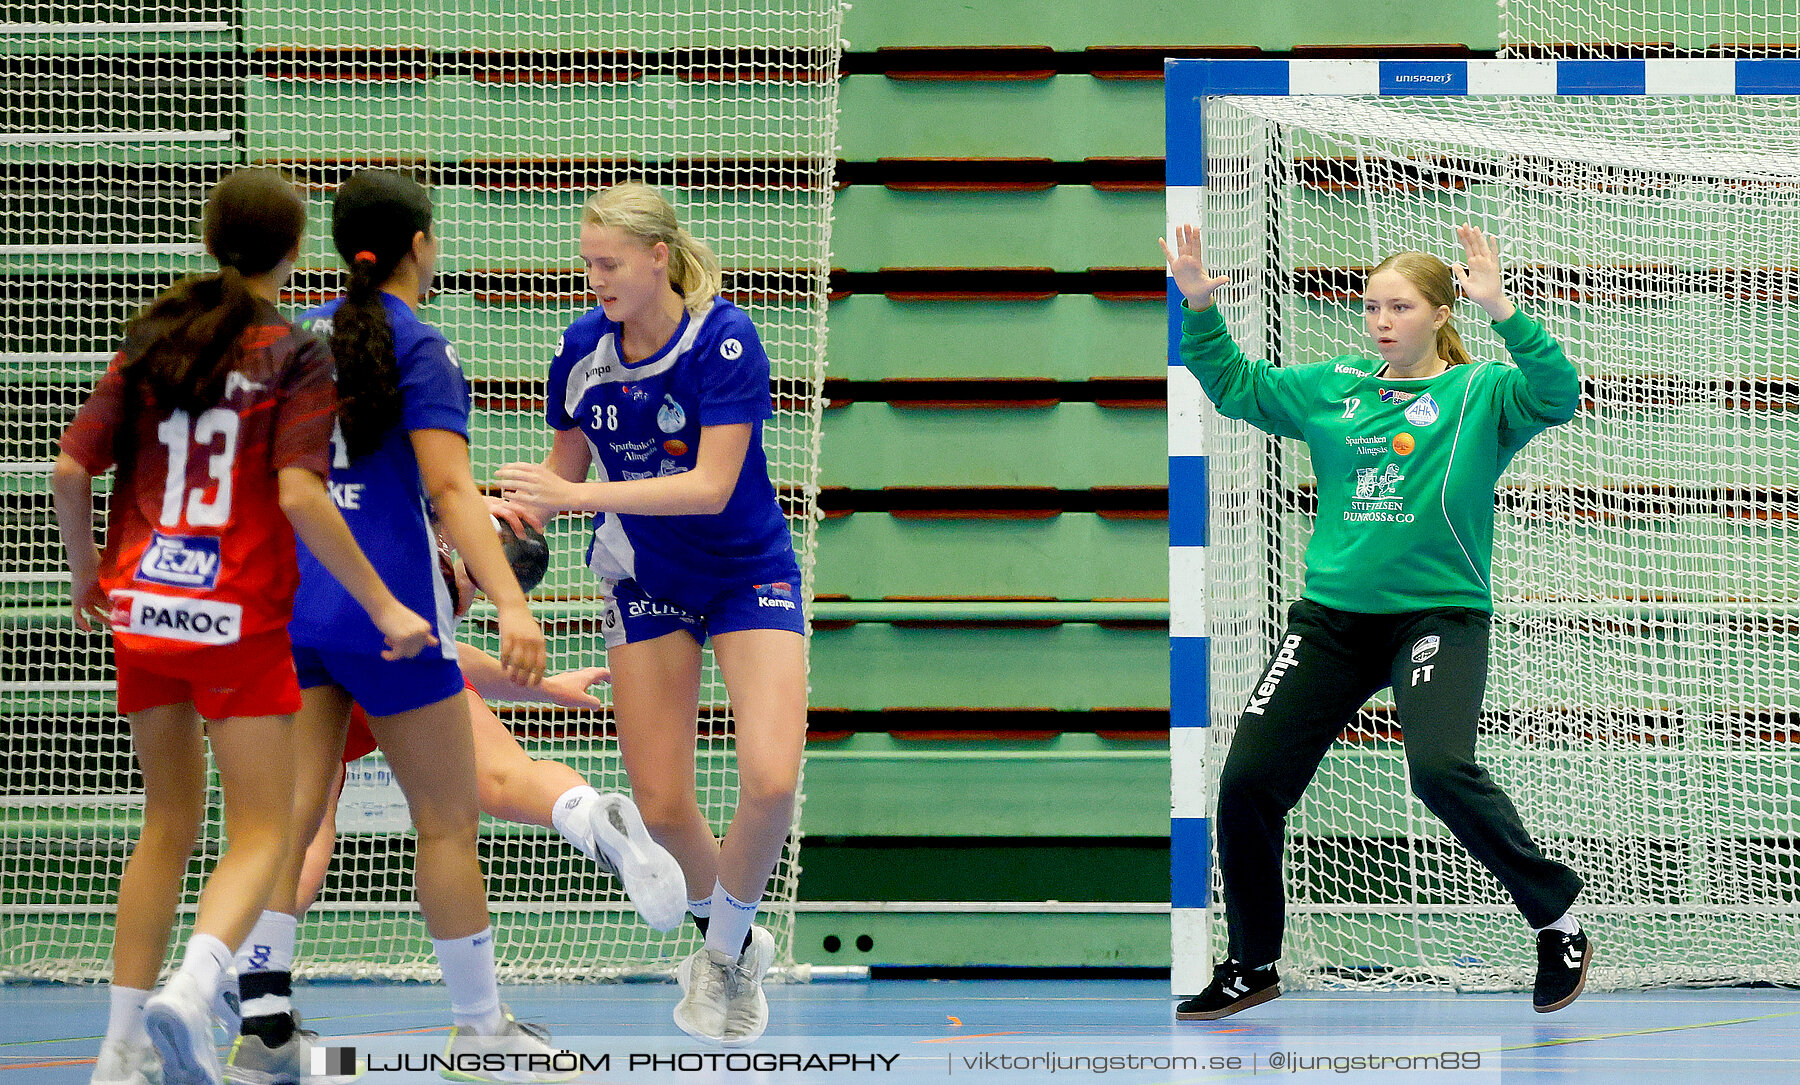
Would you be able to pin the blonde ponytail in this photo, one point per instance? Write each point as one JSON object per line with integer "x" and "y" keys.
{"x": 1438, "y": 287}
{"x": 1450, "y": 345}
{"x": 642, "y": 212}
{"x": 694, "y": 270}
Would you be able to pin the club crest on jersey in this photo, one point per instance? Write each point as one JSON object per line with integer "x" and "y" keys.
{"x": 180, "y": 561}
{"x": 670, "y": 418}
{"x": 1395, "y": 395}
{"x": 1423, "y": 412}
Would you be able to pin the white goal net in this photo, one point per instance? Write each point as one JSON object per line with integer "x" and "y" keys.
{"x": 1643, "y": 709}
{"x": 121, "y": 115}
{"x": 1620, "y": 28}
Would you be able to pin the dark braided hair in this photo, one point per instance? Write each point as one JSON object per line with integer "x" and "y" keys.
{"x": 374, "y": 219}
{"x": 181, "y": 348}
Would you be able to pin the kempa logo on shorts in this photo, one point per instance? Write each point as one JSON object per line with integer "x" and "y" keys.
{"x": 197, "y": 621}
{"x": 778, "y": 594}
{"x": 1285, "y": 661}
{"x": 1424, "y": 648}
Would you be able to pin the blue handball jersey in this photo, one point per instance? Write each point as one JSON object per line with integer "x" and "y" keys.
{"x": 643, "y": 420}
{"x": 383, "y": 499}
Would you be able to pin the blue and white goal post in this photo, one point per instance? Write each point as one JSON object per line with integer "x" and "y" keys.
{"x": 1600, "y": 245}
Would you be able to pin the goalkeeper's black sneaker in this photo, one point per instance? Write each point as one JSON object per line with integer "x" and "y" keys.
{"x": 1562, "y": 969}
{"x": 1233, "y": 988}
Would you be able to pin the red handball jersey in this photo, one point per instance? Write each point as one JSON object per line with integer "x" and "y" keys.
{"x": 198, "y": 551}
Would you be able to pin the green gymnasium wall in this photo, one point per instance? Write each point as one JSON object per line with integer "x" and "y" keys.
{"x": 991, "y": 725}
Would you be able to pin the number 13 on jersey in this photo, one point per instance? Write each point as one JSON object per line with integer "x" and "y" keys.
{"x": 214, "y": 427}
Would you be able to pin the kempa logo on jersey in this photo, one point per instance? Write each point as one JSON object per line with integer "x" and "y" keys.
{"x": 197, "y": 621}
{"x": 1285, "y": 660}
{"x": 181, "y": 561}
{"x": 731, "y": 350}
{"x": 1423, "y": 412}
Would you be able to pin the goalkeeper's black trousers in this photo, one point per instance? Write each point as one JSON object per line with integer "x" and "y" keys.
{"x": 1327, "y": 664}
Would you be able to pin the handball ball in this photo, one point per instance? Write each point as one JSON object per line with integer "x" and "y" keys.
{"x": 529, "y": 555}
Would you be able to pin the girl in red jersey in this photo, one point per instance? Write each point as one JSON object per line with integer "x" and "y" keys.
{"x": 217, "y": 414}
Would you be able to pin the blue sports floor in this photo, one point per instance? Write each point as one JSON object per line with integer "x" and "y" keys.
{"x": 964, "y": 1030}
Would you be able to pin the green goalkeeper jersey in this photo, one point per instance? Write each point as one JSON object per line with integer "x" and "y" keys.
{"x": 1406, "y": 468}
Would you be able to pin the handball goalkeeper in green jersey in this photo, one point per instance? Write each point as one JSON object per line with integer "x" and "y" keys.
{"x": 1407, "y": 448}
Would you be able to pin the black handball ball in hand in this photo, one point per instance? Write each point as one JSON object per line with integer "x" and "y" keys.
{"x": 529, "y": 555}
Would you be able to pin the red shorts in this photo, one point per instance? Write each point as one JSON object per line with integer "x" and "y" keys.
{"x": 359, "y": 741}
{"x": 254, "y": 677}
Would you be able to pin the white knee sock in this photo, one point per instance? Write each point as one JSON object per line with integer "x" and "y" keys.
{"x": 270, "y": 948}
{"x": 125, "y": 1019}
{"x": 570, "y": 817}
{"x": 468, "y": 965}
{"x": 730, "y": 922}
{"x": 1567, "y": 924}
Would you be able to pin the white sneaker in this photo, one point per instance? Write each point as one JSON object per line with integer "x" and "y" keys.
{"x": 530, "y": 1046}
{"x": 225, "y": 1005}
{"x": 179, "y": 1020}
{"x": 747, "y": 1014}
{"x": 650, "y": 875}
{"x": 722, "y": 999}
{"x": 126, "y": 1063}
{"x": 705, "y": 980}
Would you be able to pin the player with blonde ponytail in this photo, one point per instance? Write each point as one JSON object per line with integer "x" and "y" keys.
{"x": 641, "y": 212}
{"x": 662, "y": 390}
{"x": 1407, "y": 451}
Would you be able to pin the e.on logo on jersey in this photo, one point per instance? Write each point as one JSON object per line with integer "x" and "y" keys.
{"x": 182, "y": 561}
